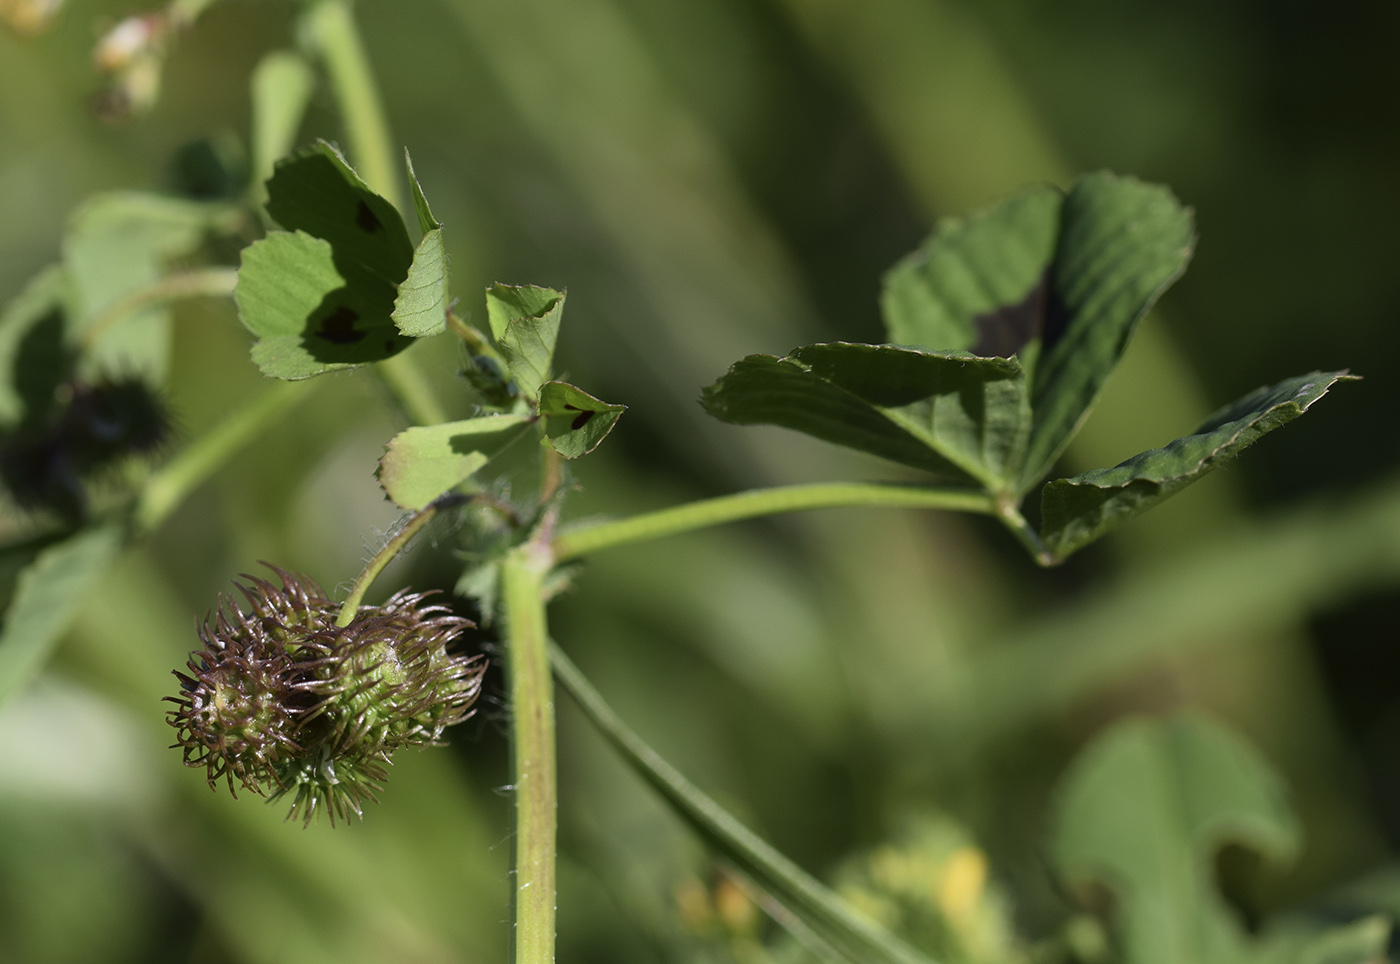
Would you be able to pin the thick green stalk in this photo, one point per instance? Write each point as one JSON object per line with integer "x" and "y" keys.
{"x": 590, "y": 537}
{"x": 532, "y": 729}
{"x": 169, "y": 486}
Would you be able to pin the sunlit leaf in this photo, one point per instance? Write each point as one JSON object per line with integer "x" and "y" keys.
{"x": 424, "y": 462}
{"x": 525, "y": 323}
{"x": 575, "y": 421}
{"x": 1076, "y": 511}
{"x": 421, "y": 307}
{"x": 324, "y": 296}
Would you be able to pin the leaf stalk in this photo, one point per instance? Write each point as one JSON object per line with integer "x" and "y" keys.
{"x": 591, "y": 536}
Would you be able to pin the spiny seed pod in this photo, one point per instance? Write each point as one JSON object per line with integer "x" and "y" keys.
{"x": 286, "y": 703}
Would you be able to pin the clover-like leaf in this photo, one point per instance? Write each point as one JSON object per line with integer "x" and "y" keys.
{"x": 1060, "y": 280}
{"x": 1143, "y": 812}
{"x": 952, "y": 414}
{"x": 1077, "y": 511}
{"x": 525, "y": 323}
{"x": 336, "y": 288}
{"x": 575, "y": 421}
{"x": 423, "y": 462}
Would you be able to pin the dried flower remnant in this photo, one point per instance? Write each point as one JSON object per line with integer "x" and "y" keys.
{"x": 285, "y": 703}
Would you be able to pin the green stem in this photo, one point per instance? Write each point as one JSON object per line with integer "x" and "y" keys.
{"x": 168, "y": 487}
{"x": 532, "y": 728}
{"x": 592, "y": 536}
{"x": 201, "y": 283}
{"x": 857, "y": 938}
{"x": 405, "y": 381}
{"x": 330, "y": 28}
{"x": 1010, "y": 515}
{"x": 384, "y": 556}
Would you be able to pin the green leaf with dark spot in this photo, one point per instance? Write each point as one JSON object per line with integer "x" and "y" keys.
{"x": 1144, "y": 811}
{"x": 317, "y": 191}
{"x": 1060, "y": 280}
{"x": 575, "y": 421}
{"x": 323, "y": 296}
{"x": 422, "y": 463}
{"x": 308, "y": 319}
{"x": 525, "y": 323}
{"x": 1122, "y": 243}
{"x": 1076, "y": 511}
{"x": 958, "y": 290}
{"x": 954, "y": 415}
{"x": 421, "y": 307}
{"x": 47, "y": 596}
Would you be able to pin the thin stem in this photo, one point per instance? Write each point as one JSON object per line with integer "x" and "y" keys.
{"x": 168, "y": 487}
{"x": 201, "y": 283}
{"x": 590, "y": 537}
{"x": 1010, "y": 515}
{"x": 532, "y": 728}
{"x": 384, "y": 556}
{"x": 858, "y": 938}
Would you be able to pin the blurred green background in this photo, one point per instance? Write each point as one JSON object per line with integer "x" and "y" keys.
{"x": 712, "y": 179}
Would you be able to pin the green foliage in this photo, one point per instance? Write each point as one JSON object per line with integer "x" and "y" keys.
{"x": 525, "y": 323}
{"x": 961, "y": 418}
{"x": 422, "y": 463}
{"x": 332, "y": 290}
{"x": 1016, "y": 317}
{"x": 420, "y": 309}
{"x": 825, "y": 683}
{"x": 1078, "y": 510}
{"x": 575, "y": 423}
{"x": 1144, "y": 812}
{"x": 47, "y": 596}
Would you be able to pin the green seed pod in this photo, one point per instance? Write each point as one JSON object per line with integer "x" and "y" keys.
{"x": 287, "y": 703}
